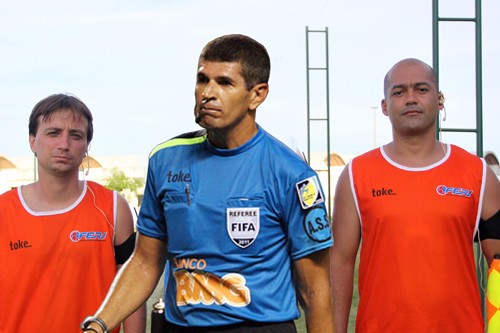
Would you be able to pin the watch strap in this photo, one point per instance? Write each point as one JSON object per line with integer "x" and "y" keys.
{"x": 93, "y": 319}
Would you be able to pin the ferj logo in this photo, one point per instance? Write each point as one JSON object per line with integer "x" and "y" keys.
{"x": 457, "y": 191}
{"x": 77, "y": 236}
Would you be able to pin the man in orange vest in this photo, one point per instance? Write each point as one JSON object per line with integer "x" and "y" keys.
{"x": 414, "y": 205}
{"x": 62, "y": 239}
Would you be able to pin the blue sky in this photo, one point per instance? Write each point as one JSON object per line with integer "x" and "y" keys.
{"x": 134, "y": 63}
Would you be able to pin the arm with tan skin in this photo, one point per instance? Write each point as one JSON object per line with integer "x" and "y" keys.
{"x": 491, "y": 205}
{"x": 346, "y": 232}
{"x": 134, "y": 283}
{"x": 312, "y": 277}
{"x": 136, "y": 322}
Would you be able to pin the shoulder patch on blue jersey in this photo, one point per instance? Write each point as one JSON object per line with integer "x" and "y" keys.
{"x": 317, "y": 226}
{"x": 309, "y": 192}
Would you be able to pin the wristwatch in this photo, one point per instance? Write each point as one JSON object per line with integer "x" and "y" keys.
{"x": 92, "y": 319}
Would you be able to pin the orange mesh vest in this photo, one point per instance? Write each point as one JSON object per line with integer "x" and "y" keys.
{"x": 417, "y": 271}
{"x": 56, "y": 267}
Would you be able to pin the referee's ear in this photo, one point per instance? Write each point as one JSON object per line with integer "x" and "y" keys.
{"x": 259, "y": 94}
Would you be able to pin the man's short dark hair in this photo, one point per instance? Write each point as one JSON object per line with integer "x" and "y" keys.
{"x": 253, "y": 56}
{"x": 47, "y": 106}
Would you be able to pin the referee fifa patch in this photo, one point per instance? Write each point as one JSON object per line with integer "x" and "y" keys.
{"x": 243, "y": 225}
{"x": 309, "y": 192}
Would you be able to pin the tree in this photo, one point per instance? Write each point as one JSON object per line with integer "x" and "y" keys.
{"x": 128, "y": 187}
